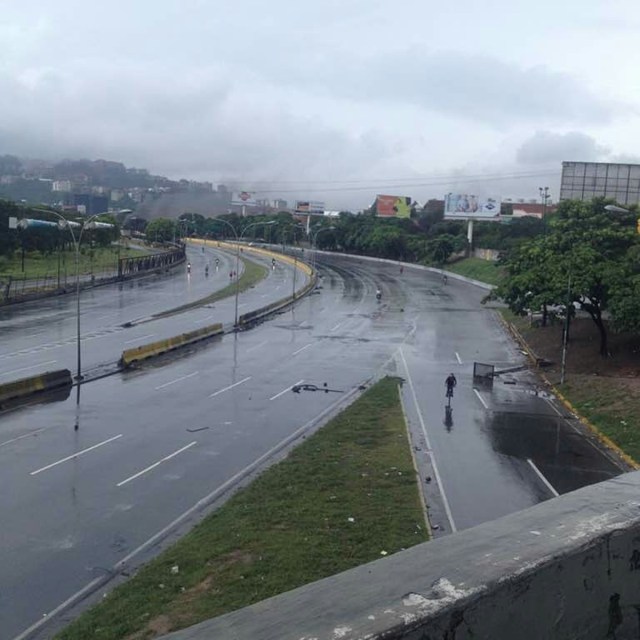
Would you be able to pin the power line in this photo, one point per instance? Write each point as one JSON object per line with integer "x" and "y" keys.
{"x": 434, "y": 182}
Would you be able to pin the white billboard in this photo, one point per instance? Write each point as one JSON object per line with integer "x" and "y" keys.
{"x": 243, "y": 198}
{"x": 310, "y": 206}
{"x": 464, "y": 206}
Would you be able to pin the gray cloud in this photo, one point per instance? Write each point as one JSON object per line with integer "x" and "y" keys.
{"x": 546, "y": 147}
{"x": 477, "y": 88}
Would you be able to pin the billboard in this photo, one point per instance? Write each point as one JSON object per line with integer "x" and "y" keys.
{"x": 459, "y": 205}
{"x": 393, "y": 206}
{"x": 309, "y": 206}
{"x": 588, "y": 180}
{"x": 243, "y": 198}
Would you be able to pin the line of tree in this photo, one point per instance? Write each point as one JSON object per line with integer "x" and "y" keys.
{"x": 47, "y": 240}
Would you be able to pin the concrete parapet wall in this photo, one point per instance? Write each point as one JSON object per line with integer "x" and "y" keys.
{"x": 26, "y": 387}
{"x": 146, "y": 351}
{"x": 566, "y": 568}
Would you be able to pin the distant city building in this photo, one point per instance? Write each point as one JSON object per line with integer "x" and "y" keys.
{"x": 61, "y": 185}
{"x": 91, "y": 203}
{"x": 588, "y": 180}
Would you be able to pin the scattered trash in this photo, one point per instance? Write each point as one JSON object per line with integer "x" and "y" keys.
{"x": 350, "y": 519}
{"x": 428, "y": 479}
{"x": 175, "y": 569}
{"x": 383, "y": 553}
{"x": 198, "y": 429}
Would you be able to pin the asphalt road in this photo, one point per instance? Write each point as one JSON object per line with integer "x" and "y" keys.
{"x": 41, "y": 335}
{"x": 154, "y": 442}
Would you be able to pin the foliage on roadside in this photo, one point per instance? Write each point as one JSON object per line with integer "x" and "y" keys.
{"x": 484, "y": 270}
{"x": 588, "y": 259}
{"x": 344, "y": 497}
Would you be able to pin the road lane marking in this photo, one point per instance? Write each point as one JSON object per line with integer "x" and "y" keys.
{"x": 75, "y": 455}
{"x": 458, "y": 357}
{"x": 230, "y": 387}
{"x": 26, "y": 435}
{"x": 432, "y": 457}
{"x": 256, "y": 347}
{"x": 155, "y": 464}
{"x": 295, "y": 353}
{"x": 149, "y": 335}
{"x": 484, "y": 404}
{"x": 168, "y": 384}
{"x": 206, "y": 500}
{"x": 334, "y": 328}
{"x": 33, "y": 366}
{"x": 287, "y": 389}
{"x": 544, "y": 480}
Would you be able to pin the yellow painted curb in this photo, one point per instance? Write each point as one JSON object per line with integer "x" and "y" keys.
{"x": 146, "y": 351}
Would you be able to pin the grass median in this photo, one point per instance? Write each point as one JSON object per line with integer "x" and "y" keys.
{"x": 252, "y": 273}
{"x": 347, "y": 495}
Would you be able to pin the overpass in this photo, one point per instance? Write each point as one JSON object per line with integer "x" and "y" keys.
{"x": 566, "y": 568}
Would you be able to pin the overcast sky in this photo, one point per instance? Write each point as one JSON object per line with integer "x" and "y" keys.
{"x": 334, "y": 100}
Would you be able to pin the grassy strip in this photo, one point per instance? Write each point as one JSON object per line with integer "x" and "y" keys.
{"x": 251, "y": 275}
{"x": 39, "y": 265}
{"x": 610, "y": 405}
{"x": 342, "y": 498}
{"x": 478, "y": 269}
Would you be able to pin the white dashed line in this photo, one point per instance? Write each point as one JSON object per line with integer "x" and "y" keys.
{"x": 33, "y": 366}
{"x": 287, "y": 389}
{"x": 213, "y": 395}
{"x": 544, "y": 480}
{"x": 75, "y": 455}
{"x": 167, "y": 384}
{"x": 295, "y": 353}
{"x": 458, "y": 358}
{"x": 155, "y": 464}
{"x": 484, "y": 404}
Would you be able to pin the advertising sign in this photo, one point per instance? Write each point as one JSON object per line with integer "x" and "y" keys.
{"x": 393, "y": 206}
{"x": 310, "y": 206}
{"x": 457, "y": 205}
{"x": 243, "y": 198}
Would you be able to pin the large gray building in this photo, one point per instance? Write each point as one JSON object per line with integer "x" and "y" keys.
{"x": 587, "y": 180}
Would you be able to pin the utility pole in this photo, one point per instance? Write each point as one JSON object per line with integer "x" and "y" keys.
{"x": 544, "y": 196}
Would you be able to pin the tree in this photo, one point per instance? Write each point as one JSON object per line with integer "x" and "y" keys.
{"x": 585, "y": 252}
{"x": 161, "y": 230}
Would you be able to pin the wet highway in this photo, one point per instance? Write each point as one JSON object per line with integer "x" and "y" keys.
{"x": 154, "y": 446}
{"x": 41, "y": 335}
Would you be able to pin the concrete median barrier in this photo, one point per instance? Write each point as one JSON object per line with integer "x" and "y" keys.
{"x": 146, "y": 351}
{"x": 25, "y": 387}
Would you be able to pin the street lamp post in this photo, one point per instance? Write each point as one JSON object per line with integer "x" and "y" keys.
{"x": 76, "y": 243}
{"x": 314, "y": 238}
{"x": 238, "y": 239}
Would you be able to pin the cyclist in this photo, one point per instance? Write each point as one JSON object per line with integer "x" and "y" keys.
{"x": 273, "y": 263}
{"x": 217, "y": 262}
{"x": 188, "y": 267}
{"x": 206, "y": 270}
{"x": 444, "y": 278}
{"x": 450, "y": 383}
{"x": 378, "y": 295}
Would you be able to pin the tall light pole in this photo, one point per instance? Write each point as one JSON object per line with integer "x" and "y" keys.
{"x": 76, "y": 243}
{"x": 314, "y": 237}
{"x": 238, "y": 239}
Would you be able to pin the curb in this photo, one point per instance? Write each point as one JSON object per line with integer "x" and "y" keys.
{"x": 601, "y": 437}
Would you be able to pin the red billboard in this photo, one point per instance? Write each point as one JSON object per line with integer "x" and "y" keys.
{"x": 393, "y": 206}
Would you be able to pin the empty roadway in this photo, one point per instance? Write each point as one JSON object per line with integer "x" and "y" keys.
{"x": 153, "y": 442}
